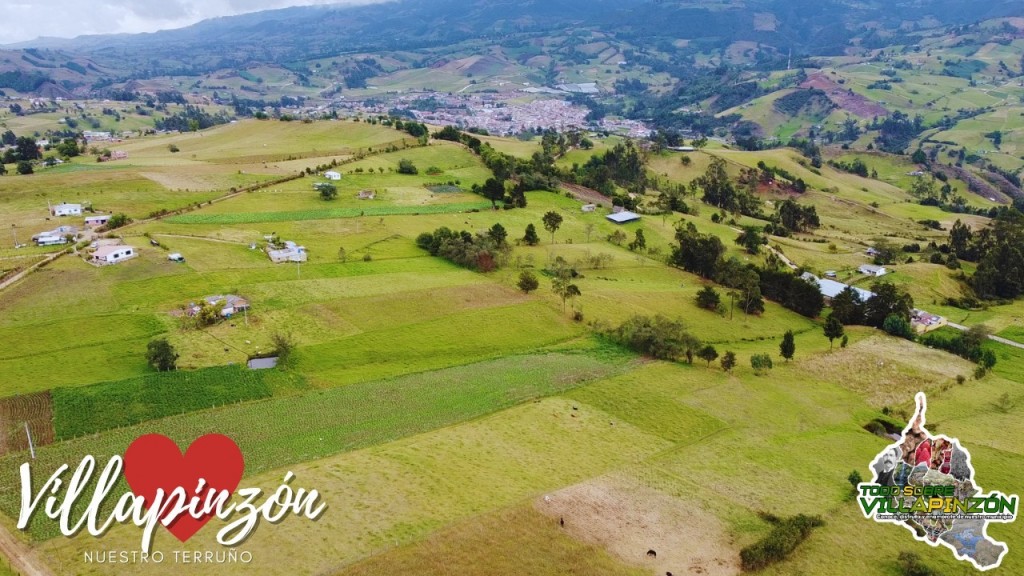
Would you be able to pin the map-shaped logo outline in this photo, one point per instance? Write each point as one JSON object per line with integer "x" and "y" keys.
{"x": 895, "y": 451}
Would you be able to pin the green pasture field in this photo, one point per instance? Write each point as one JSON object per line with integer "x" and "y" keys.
{"x": 301, "y": 427}
{"x": 393, "y": 190}
{"x": 98, "y": 407}
{"x": 711, "y": 441}
{"x": 513, "y": 146}
{"x": 256, "y": 141}
{"x": 436, "y": 478}
{"x": 367, "y": 209}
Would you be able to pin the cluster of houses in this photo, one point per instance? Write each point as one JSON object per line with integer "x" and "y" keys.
{"x": 65, "y": 233}
{"x": 67, "y": 209}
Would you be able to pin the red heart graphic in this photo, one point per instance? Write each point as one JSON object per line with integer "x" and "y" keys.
{"x": 155, "y": 462}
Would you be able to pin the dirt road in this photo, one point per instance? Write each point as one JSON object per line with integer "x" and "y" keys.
{"x": 21, "y": 557}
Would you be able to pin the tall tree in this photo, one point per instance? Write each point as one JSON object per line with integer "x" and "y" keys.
{"x": 718, "y": 188}
{"x": 708, "y": 298}
{"x": 887, "y": 301}
{"x": 788, "y": 346}
{"x": 552, "y": 221}
{"x": 751, "y": 239}
{"x": 639, "y": 243}
{"x": 27, "y": 148}
{"x": 847, "y": 307}
{"x": 708, "y": 354}
{"x": 564, "y": 288}
{"x": 494, "y": 190}
{"x": 728, "y": 360}
{"x": 530, "y": 238}
{"x": 327, "y": 190}
{"x": 498, "y": 234}
{"x": 527, "y": 282}
{"x": 696, "y": 252}
{"x": 161, "y": 355}
{"x": 833, "y": 329}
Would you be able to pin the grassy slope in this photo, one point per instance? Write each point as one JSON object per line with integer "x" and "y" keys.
{"x": 687, "y": 432}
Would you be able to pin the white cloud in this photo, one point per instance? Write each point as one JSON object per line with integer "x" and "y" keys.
{"x": 26, "y": 20}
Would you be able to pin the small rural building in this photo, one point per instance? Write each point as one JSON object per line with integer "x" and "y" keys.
{"x": 48, "y": 240}
{"x": 682, "y": 148}
{"x": 872, "y": 270}
{"x": 228, "y": 305}
{"x": 367, "y": 194}
{"x": 113, "y": 254}
{"x": 64, "y": 209}
{"x": 262, "y": 363}
{"x": 922, "y": 321}
{"x": 623, "y": 217}
{"x": 175, "y": 257}
{"x": 53, "y": 237}
{"x": 871, "y": 252}
{"x": 830, "y": 273}
{"x": 96, "y": 220}
{"x": 332, "y": 175}
{"x": 290, "y": 253}
{"x": 589, "y": 207}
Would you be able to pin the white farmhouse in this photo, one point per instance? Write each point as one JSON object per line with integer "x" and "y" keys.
{"x": 65, "y": 209}
{"x": 290, "y": 253}
{"x": 872, "y": 270}
{"x": 95, "y": 220}
{"x": 332, "y": 175}
{"x": 113, "y": 254}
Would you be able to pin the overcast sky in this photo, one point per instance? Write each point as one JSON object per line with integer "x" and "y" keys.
{"x": 22, "y": 20}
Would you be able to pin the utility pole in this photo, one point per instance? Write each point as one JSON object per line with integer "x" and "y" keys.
{"x": 31, "y": 448}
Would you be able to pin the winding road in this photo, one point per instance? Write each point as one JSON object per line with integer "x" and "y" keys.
{"x": 992, "y": 337}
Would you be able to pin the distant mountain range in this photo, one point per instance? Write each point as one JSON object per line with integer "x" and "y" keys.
{"x": 304, "y": 33}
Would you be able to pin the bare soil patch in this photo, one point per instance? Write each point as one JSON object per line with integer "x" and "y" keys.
{"x": 844, "y": 97}
{"x": 587, "y": 194}
{"x": 629, "y": 520}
